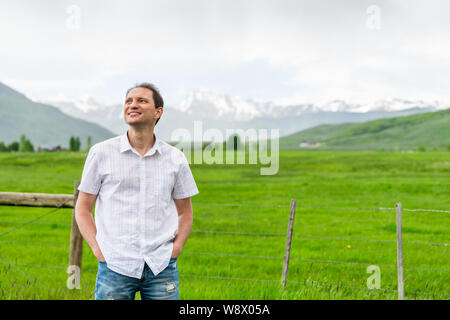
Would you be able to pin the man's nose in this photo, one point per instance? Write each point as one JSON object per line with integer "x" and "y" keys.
{"x": 133, "y": 104}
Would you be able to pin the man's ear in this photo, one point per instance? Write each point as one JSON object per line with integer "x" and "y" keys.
{"x": 159, "y": 112}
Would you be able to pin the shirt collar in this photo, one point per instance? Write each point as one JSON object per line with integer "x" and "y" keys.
{"x": 125, "y": 145}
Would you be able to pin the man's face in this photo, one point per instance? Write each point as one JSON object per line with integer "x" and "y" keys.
{"x": 139, "y": 108}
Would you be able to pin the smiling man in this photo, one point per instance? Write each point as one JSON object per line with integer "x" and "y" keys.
{"x": 141, "y": 187}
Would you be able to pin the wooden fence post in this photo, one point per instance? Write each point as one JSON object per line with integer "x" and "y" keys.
{"x": 76, "y": 239}
{"x": 401, "y": 292}
{"x": 287, "y": 250}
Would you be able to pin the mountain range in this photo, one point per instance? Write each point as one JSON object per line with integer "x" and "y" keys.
{"x": 43, "y": 124}
{"x": 221, "y": 111}
{"x": 53, "y": 122}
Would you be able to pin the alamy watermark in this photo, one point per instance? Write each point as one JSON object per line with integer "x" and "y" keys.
{"x": 74, "y": 279}
{"x": 236, "y": 146}
{"x": 73, "y": 21}
{"x": 373, "y": 21}
{"x": 374, "y": 281}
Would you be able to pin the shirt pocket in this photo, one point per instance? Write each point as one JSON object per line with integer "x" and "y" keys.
{"x": 125, "y": 180}
{"x": 161, "y": 186}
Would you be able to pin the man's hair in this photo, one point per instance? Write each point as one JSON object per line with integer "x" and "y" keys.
{"x": 159, "y": 102}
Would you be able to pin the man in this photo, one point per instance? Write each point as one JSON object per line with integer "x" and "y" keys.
{"x": 143, "y": 217}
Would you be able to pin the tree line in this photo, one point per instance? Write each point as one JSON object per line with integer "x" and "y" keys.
{"x": 25, "y": 145}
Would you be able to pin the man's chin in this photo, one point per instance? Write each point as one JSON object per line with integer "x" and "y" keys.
{"x": 130, "y": 120}
{"x": 137, "y": 123}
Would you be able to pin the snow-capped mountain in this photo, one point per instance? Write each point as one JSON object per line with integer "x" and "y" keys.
{"x": 83, "y": 104}
{"x": 385, "y": 105}
{"x": 89, "y": 109}
{"x": 221, "y": 111}
{"x": 208, "y": 103}
{"x": 396, "y": 104}
{"x": 211, "y": 104}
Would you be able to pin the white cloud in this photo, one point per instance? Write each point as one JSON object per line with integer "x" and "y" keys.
{"x": 325, "y": 47}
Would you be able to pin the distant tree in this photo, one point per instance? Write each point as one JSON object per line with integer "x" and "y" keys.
{"x": 448, "y": 147}
{"x": 77, "y": 144}
{"x": 22, "y": 143}
{"x": 422, "y": 149}
{"x": 88, "y": 143}
{"x": 13, "y": 146}
{"x": 72, "y": 144}
{"x": 29, "y": 146}
{"x": 234, "y": 142}
{"x": 3, "y": 147}
{"x": 25, "y": 145}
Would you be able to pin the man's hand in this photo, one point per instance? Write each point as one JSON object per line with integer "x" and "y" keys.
{"x": 99, "y": 255}
{"x": 175, "y": 251}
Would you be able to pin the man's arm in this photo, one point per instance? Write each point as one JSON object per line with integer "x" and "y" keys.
{"x": 83, "y": 216}
{"x": 185, "y": 217}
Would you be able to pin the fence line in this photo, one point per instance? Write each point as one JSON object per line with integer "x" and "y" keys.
{"x": 36, "y": 219}
{"x": 300, "y": 235}
{"x": 310, "y": 207}
{"x": 313, "y": 236}
{"x": 426, "y": 210}
{"x": 33, "y": 200}
{"x": 243, "y": 256}
{"x": 38, "y": 265}
{"x": 33, "y": 221}
{"x": 55, "y": 223}
{"x": 36, "y": 243}
{"x": 309, "y": 260}
{"x": 242, "y": 233}
{"x": 24, "y": 273}
{"x": 248, "y": 233}
{"x": 240, "y": 205}
{"x": 312, "y": 284}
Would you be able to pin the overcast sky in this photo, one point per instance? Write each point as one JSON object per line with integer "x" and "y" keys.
{"x": 283, "y": 51}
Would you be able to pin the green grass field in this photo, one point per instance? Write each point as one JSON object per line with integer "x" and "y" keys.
{"x": 243, "y": 265}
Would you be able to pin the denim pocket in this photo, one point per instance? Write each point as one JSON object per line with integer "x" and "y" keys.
{"x": 173, "y": 262}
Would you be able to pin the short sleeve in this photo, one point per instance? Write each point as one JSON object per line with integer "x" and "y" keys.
{"x": 90, "y": 179}
{"x": 184, "y": 186}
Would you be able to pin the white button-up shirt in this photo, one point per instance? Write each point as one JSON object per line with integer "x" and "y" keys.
{"x": 135, "y": 214}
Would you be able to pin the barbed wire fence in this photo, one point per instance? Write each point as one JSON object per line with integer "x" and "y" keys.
{"x": 22, "y": 224}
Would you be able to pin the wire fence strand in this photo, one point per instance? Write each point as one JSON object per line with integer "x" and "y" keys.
{"x": 246, "y": 256}
{"x": 310, "y": 260}
{"x": 314, "y": 236}
{"x": 43, "y": 223}
{"x": 311, "y": 207}
{"x": 24, "y": 273}
{"x": 34, "y": 220}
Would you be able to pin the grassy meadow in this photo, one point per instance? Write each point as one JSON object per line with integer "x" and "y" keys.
{"x": 233, "y": 263}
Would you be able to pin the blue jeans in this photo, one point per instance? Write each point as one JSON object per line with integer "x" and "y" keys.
{"x": 111, "y": 285}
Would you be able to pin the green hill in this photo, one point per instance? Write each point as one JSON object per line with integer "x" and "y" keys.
{"x": 41, "y": 123}
{"x": 429, "y": 130}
